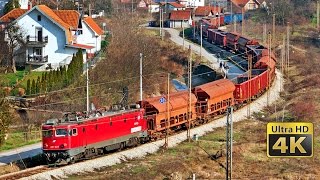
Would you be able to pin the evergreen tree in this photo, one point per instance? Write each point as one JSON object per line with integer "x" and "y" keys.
{"x": 11, "y": 4}
{"x": 28, "y": 91}
{"x": 49, "y": 81}
{"x": 38, "y": 85}
{"x": 80, "y": 62}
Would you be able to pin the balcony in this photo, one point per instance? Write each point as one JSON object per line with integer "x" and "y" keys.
{"x": 35, "y": 41}
{"x": 37, "y": 59}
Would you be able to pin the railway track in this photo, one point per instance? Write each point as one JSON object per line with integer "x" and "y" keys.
{"x": 25, "y": 173}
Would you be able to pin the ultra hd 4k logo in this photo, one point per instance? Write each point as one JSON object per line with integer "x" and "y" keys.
{"x": 289, "y": 139}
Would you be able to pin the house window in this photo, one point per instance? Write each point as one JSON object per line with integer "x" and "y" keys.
{"x": 39, "y": 18}
{"x": 37, "y": 51}
{"x": 79, "y": 32}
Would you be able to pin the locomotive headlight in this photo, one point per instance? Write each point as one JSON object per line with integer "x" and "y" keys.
{"x": 46, "y": 145}
{"x": 61, "y": 146}
{"x": 206, "y": 99}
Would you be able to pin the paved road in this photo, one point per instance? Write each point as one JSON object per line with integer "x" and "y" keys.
{"x": 210, "y": 52}
{"x": 20, "y": 153}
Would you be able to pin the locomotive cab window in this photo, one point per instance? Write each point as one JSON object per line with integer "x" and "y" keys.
{"x": 61, "y": 132}
{"x": 74, "y": 132}
{"x": 47, "y": 133}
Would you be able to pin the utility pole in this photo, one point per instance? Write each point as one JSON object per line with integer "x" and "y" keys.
{"x": 318, "y": 15}
{"x": 190, "y": 86}
{"x": 194, "y": 24}
{"x": 200, "y": 41}
{"x": 249, "y": 85}
{"x": 160, "y": 23}
{"x": 269, "y": 60}
{"x": 288, "y": 47}
{"x": 235, "y": 24}
{"x": 283, "y": 53}
{"x": 243, "y": 23}
{"x": 229, "y": 143}
{"x": 264, "y": 36}
{"x": 131, "y": 6}
{"x": 87, "y": 74}
{"x": 219, "y": 11}
{"x": 162, "y": 31}
{"x": 273, "y": 30}
{"x": 168, "y": 113}
{"x": 141, "y": 56}
{"x": 231, "y": 15}
{"x": 183, "y": 37}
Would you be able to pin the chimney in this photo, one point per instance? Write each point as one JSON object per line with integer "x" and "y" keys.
{"x": 29, "y": 5}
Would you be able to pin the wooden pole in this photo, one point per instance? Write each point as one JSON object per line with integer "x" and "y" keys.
{"x": 235, "y": 24}
{"x": 200, "y": 41}
{"x": 183, "y": 37}
{"x": 243, "y": 23}
{"x": 288, "y": 47}
{"x": 269, "y": 60}
{"x": 264, "y": 33}
{"x": 273, "y": 29}
{"x": 318, "y": 15}
{"x": 190, "y": 86}
{"x": 160, "y": 24}
{"x": 249, "y": 85}
{"x": 283, "y": 53}
{"x": 168, "y": 113}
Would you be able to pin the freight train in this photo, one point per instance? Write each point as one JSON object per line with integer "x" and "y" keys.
{"x": 82, "y": 135}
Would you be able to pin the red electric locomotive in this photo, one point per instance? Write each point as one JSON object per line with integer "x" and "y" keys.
{"x": 76, "y": 136}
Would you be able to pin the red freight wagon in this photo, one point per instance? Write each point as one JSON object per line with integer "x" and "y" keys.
{"x": 243, "y": 42}
{"x": 216, "y": 21}
{"x": 258, "y": 83}
{"x": 211, "y": 35}
{"x": 214, "y": 97}
{"x": 232, "y": 41}
{"x": 75, "y": 136}
{"x": 265, "y": 63}
{"x": 221, "y": 39}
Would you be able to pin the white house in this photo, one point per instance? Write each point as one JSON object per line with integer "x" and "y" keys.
{"x": 247, "y": 4}
{"x": 53, "y": 36}
{"x": 150, "y": 5}
{"x": 180, "y": 19}
{"x": 192, "y": 3}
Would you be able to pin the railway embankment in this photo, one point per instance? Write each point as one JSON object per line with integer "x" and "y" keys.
{"x": 116, "y": 158}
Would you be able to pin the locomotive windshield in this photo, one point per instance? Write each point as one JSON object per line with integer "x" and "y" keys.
{"x": 61, "y": 132}
{"x": 47, "y": 133}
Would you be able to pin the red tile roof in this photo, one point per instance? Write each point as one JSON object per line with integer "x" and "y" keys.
{"x": 93, "y": 25}
{"x": 70, "y": 17}
{"x": 12, "y": 15}
{"x": 180, "y": 15}
{"x": 205, "y": 10}
{"x": 54, "y": 17}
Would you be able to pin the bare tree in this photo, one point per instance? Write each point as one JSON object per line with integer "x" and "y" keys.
{"x": 15, "y": 42}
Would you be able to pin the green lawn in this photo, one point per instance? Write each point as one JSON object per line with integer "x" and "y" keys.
{"x": 21, "y": 77}
{"x": 10, "y": 79}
